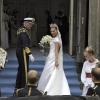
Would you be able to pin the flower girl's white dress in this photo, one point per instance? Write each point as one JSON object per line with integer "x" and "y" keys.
{"x": 53, "y": 80}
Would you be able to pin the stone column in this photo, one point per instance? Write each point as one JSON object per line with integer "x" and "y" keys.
{"x": 81, "y": 28}
{"x": 1, "y": 7}
{"x": 94, "y": 25}
{"x": 71, "y": 27}
{"x": 80, "y": 40}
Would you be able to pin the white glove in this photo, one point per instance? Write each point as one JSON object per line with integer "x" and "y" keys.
{"x": 31, "y": 58}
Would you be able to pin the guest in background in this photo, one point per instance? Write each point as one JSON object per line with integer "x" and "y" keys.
{"x": 96, "y": 79}
{"x": 30, "y": 89}
{"x": 62, "y": 22}
{"x": 90, "y": 63}
{"x": 4, "y": 29}
{"x": 49, "y": 20}
{"x": 13, "y": 27}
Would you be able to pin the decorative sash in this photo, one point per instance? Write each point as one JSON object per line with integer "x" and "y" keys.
{"x": 88, "y": 75}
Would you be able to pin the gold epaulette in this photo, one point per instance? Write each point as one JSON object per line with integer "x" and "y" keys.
{"x": 20, "y": 30}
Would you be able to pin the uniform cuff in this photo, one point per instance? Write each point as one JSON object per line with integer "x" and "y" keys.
{"x": 28, "y": 51}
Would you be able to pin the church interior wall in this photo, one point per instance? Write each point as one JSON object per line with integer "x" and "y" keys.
{"x": 36, "y": 9}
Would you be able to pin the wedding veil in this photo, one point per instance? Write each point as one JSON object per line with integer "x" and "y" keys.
{"x": 58, "y": 71}
{"x": 59, "y": 37}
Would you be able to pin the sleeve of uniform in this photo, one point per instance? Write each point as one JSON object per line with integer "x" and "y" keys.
{"x": 26, "y": 42}
{"x": 83, "y": 74}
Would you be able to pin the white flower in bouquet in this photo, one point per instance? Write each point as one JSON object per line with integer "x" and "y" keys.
{"x": 45, "y": 41}
{"x": 3, "y": 55}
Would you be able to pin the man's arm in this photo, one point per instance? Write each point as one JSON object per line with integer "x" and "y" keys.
{"x": 26, "y": 45}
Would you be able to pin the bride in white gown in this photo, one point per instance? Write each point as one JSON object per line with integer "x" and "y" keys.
{"x": 53, "y": 80}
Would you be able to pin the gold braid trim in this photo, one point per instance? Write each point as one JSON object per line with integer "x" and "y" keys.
{"x": 20, "y": 30}
{"x": 30, "y": 91}
{"x": 97, "y": 82}
{"x": 25, "y": 65}
{"x": 17, "y": 92}
{"x": 94, "y": 92}
{"x": 27, "y": 50}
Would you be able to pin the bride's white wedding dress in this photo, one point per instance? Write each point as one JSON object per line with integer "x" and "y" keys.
{"x": 53, "y": 80}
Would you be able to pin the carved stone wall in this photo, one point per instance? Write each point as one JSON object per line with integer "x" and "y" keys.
{"x": 94, "y": 26}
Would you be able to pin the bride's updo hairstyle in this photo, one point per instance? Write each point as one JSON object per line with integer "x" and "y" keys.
{"x": 54, "y": 25}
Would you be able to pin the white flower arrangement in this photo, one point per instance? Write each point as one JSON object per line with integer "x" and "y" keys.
{"x": 45, "y": 41}
{"x": 45, "y": 44}
{"x": 3, "y": 55}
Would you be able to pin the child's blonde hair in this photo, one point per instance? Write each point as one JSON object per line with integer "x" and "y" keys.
{"x": 89, "y": 50}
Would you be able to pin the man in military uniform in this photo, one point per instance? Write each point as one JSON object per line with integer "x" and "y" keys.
{"x": 30, "y": 88}
{"x": 23, "y": 52}
{"x": 96, "y": 78}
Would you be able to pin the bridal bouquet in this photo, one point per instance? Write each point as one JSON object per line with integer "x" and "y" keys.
{"x": 3, "y": 55}
{"x": 45, "y": 41}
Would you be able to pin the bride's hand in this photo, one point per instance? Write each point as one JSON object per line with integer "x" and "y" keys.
{"x": 56, "y": 64}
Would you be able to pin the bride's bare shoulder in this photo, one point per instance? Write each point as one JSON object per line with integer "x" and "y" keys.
{"x": 56, "y": 39}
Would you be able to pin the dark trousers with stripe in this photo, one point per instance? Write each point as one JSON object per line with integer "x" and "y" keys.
{"x": 23, "y": 61}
